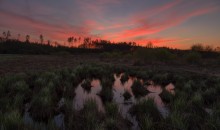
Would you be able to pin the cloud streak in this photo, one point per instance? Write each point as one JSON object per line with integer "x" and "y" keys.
{"x": 117, "y": 20}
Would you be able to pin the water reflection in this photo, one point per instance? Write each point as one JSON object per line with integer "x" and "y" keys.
{"x": 118, "y": 90}
{"x": 170, "y": 88}
{"x": 82, "y": 95}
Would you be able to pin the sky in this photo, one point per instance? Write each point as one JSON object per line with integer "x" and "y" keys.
{"x": 170, "y": 23}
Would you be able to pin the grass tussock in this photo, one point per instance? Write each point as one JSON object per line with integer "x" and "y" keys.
{"x": 138, "y": 89}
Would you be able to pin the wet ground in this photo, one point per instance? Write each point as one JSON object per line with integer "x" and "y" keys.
{"x": 36, "y": 63}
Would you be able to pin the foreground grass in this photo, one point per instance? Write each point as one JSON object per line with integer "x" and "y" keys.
{"x": 44, "y": 90}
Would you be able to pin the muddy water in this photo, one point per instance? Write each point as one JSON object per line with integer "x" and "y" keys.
{"x": 118, "y": 90}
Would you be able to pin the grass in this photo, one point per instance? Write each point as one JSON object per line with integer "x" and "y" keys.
{"x": 43, "y": 90}
{"x": 144, "y": 109}
{"x": 112, "y": 113}
{"x": 124, "y": 78}
{"x": 166, "y": 96}
{"x": 210, "y": 96}
{"x": 146, "y": 123}
{"x": 86, "y": 85}
{"x": 106, "y": 93}
{"x": 11, "y": 120}
{"x": 43, "y": 105}
{"x": 90, "y": 116}
{"x": 178, "y": 121}
{"x": 193, "y": 57}
{"x": 138, "y": 89}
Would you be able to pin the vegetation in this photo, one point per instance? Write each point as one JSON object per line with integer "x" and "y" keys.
{"x": 138, "y": 89}
{"x": 106, "y": 93}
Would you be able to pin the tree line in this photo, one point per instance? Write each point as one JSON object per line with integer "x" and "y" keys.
{"x": 89, "y": 43}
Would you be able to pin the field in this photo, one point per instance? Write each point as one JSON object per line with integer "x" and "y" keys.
{"x": 107, "y": 91}
{"x": 109, "y": 65}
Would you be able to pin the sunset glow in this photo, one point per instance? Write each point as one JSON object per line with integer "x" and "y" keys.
{"x": 171, "y": 23}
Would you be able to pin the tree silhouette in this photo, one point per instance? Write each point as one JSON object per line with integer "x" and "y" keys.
{"x": 48, "y": 42}
{"x": 27, "y": 38}
{"x": 149, "y": 45}
{"x": 8, "y": 35}
{"x": 4, "y": 35}
{"x": 19, "y": 35}
{"x": 70, "y": 40}
{"x": 41, "y": 39}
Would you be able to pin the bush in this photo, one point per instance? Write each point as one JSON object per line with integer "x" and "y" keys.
{"x": 144, "y": 54}
{"x": 164, "y": 55}
{"x": 193, "y": 57}
{"x": 197, "y": 47}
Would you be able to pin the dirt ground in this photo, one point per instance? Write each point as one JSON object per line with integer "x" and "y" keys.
{"x": 10, "y": 64}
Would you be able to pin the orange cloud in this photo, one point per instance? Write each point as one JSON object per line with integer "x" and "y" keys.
{"x": 148, "y": 27}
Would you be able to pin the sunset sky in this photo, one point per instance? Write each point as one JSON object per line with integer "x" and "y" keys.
{"x": 172, "y": 23}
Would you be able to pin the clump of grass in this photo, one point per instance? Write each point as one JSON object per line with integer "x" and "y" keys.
{"x": 179, "y": 102}
{"x": 91, "y": 117}
{"x": 138, "y": 89}
{"x": 166, "y": 96}
{"x": 124, "y": 78}
{"x": 11, "y": 120}
{"x": 86, "y": 85}
{"x": 112, "y": 110}
{"x": 138, "y": 63}
{"x": 163, "y": 79}
{"x": 106, "y": 93}
{"x": 111, "y": 124}
{"x": 193, "y": 57}
{"x": 144, "y": 109}
{"x": 164, "y": 55}
{"x": 197, "y": 99}
{"x": 210, "y": 96}
{"x": 178, "y": 121}
{"x": 43, "y": 105}
{"x": 127, "y": 95}
{"x": 146, "y": 123}
{"x": 188, "y": 86}
{"x": 69, "y": 91}
{"x": 112, "y": 116}
{"x": 89, "y": 71}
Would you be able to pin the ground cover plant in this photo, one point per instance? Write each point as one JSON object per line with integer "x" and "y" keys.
{"x": 50, "y": 94}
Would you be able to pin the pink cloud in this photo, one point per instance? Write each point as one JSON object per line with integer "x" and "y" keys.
{"x": 36, "y": 27}
{"x": 151, "y": 27}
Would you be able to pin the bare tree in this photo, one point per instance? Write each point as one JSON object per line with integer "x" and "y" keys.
{"x": 149, "y": 45}
{"x": 41, "y": 39}
{"x": 28, "y": 38}
{"x": 48, "y": 42}
{"x": 19, "y": 35}
{"x": 70, "y": 40}
{"x": 4, "y": 34}
{"x": 8, "y": 35}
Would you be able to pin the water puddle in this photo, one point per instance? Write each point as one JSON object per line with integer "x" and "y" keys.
{"x": 82, "y": 95}
{"x": 118, "y": 96}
